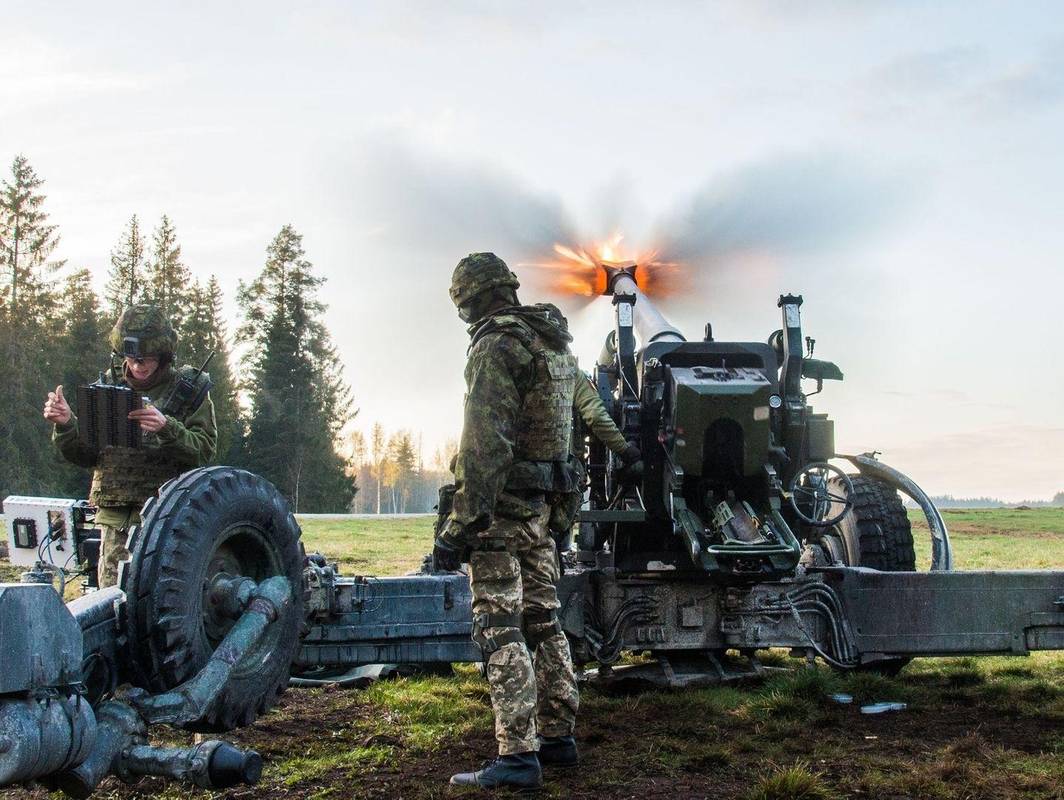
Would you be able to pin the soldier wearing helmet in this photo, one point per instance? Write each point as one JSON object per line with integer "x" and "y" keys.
{"x": 178, "y": 426}
{"x": 514, "y": 455}
{"x": 590, "y": 415}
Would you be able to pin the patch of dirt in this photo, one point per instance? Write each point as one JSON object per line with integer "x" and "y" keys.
{"x": 983, "y": 531}
{"x": 628, "y": 750}
{"x": 912, "y": 732}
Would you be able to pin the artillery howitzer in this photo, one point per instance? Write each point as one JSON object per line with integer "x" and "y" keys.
{"x": 738, "y": 536}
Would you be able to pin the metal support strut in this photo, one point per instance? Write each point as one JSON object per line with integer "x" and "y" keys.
{"x": 191, "y": 699}
{"x": 121, "y": 745}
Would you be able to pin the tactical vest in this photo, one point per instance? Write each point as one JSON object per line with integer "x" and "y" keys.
{"x": 126, "y": 476}
{"x": 544, "y": 426}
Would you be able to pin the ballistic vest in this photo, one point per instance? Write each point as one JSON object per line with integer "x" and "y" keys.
{"x": 126, "y": 476}
{"x": 544, "y": 426}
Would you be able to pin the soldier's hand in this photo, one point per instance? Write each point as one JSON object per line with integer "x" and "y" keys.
{"x": 631, "y": 471}
{"x": 56, "y": 409}
{"x": 151, "y": 419}
{"x": 631, "y": 455}
{"x": 630, "y": 474}
{"x": 450, "y": 547}
{"x": 446, "y": 556}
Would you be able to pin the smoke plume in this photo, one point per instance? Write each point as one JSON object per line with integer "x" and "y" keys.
{"x": 754, "y": 225}
{"x": 782, "y": 210}
{"x": 448, "y": 208}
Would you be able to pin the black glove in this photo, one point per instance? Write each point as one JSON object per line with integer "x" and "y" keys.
{"x": 450, "y": 549}
{"x": 631, "y": 474}
{"x": 631, "y": 455}
{"x": 631, "y": 471}
{"x": 446, "y": 557}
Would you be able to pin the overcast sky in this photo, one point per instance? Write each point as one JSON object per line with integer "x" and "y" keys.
{"x": 898, "y": 165}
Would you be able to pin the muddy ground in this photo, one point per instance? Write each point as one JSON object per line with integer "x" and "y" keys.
{"x": 992, "y": 729}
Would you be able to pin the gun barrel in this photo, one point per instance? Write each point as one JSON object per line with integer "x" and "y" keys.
{"x": 650, "y": 325}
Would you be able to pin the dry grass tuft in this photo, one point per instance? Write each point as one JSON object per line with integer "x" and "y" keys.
{"x": 796, "y": 782}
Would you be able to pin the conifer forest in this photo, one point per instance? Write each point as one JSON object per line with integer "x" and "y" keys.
{"x": 283, "y": 407}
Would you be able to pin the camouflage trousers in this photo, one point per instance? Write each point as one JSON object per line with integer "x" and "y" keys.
{"x": 112, "y": 550}
{"x": 533, "y": 686}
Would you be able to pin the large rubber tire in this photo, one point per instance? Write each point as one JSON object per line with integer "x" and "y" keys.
{"x": 877, "y": 532}
{"x": 207, "y": 521}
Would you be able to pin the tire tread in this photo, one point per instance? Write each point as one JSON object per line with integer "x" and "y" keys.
{"x": 158, "y": 585}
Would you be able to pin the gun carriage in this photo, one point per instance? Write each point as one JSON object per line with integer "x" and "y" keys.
{"x": 739, "y": 535}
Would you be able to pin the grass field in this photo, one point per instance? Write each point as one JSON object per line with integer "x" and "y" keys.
{"x": 974, "y": 728}
{"x": 997, "y": 538}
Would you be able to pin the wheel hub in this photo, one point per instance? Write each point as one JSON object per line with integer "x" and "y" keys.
{"x": 241, "y": 558}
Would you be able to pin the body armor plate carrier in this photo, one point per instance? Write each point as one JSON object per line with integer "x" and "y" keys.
{"x": 544, "y": 428}
{"x": 128, "y": 477}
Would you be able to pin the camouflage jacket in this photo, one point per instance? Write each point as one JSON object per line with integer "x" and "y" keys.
{"x": 500, "y": 372}
{"x": 124, "y": 478}
{"x": 589, "y": 406}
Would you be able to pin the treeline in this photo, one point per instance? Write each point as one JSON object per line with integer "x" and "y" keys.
{"x": 949, "y": 501}
{"x": 280, "y": 407}
{"x": 392, "y": 473}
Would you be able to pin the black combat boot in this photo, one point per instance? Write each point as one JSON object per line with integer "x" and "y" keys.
{"x": 558, "y": 751}
{"x": 520, "y": 771}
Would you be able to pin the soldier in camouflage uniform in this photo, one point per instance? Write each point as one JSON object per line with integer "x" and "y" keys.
{"x": 514, "y": 453}
{"x": 179, "y": 429}
{"x": 588, "y": 407}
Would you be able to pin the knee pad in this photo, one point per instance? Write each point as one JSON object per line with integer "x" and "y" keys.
{"x": 540, "y": 625}
{"x": 509, "y": 626}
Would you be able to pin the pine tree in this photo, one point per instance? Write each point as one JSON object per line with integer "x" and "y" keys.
{"x": 125, "y": 281}
{"x": 203, "y": 332}
{"x": 356, "y": 459}
{"x": 167, "y": 280}
{"x": 356, "y": 447}
{"x": 380, "y": 455}
{"x": 83, "y": 339}
{"x": 405, "y": 459}
{"x": 26, "y": 244}
{"x": 28, "y": 318}
{"x": 299, "y": 402}
{"x": 83, "y": 352}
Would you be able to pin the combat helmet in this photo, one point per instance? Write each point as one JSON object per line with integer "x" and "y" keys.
{"x": 479, "y": 272}
{"x": 143, "y": 330}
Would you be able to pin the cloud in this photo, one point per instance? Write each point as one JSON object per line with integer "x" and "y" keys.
{"x": 929, "y": 72}
{"x": 1029, "y": 86}
{"x": 787, "y": 12}
{"x": 965, "y": 78}
{"x": 1013, "y": 462}
{"x": 492, "y": 25}
{"x": 33, "y": 71}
